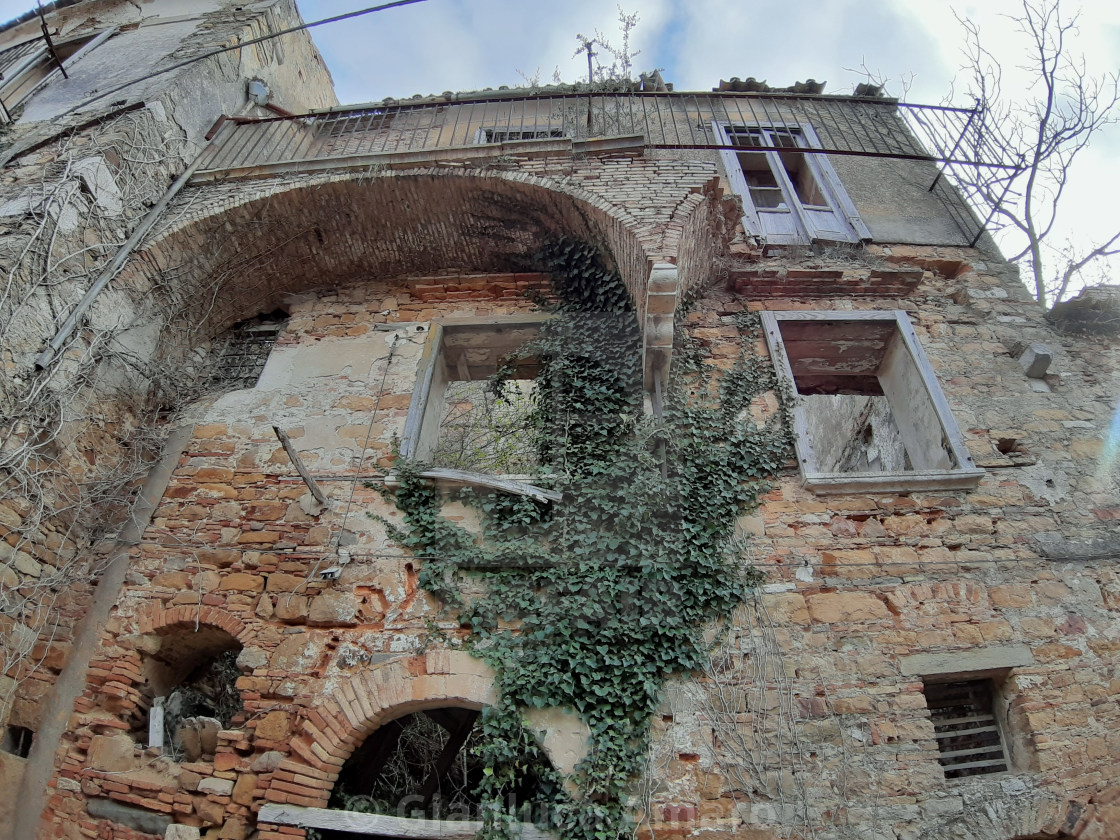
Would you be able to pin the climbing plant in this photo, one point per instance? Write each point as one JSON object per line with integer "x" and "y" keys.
{"x": 591, "y": 602}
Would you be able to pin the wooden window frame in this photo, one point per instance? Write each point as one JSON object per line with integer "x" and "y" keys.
{"x": 964, "y": 475}
{"x": 848, "y": 226}
{"x": 421, "y": 430}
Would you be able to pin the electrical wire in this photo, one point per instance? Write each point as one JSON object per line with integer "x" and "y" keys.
{"x": 347, "y": 16}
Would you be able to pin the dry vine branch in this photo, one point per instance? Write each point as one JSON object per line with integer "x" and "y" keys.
{"x": 1043, "y": 133}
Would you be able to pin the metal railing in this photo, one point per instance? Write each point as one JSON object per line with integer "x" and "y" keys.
{"x": 843, "y": 125}
{"x": 957, "y": 140}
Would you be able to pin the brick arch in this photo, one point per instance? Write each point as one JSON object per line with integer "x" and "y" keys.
{"x": 250, "y": 244}
{"x": 336, "y": 723}
{"x": 154, "y": 617}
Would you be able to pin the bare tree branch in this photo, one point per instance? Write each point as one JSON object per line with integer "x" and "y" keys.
{"x": 1041, "y": 135}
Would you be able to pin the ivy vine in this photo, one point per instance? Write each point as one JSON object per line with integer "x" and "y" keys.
{"x": 590, "y": 603}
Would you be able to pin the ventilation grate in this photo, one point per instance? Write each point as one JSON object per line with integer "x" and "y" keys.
{"x": 966, "y": 729}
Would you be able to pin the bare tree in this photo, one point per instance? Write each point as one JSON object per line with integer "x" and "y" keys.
{"x": 1041, "y": 133}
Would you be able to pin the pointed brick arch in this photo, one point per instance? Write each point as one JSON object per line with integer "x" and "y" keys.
{"x": 334, "y": 725}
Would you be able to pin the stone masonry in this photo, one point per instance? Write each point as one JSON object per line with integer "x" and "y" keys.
{"x": 813, "y": 720}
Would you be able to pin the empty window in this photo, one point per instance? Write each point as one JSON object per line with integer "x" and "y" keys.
{"x": 868, "y": 412}
{"x": 242, "y": 352}
{"x": 789, "y": 196}
{"x": 460, "y": 418}
{"x": 506, "y": 135}
{"x": 969, "y": 740}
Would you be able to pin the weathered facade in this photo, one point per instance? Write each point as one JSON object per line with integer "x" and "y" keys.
{"x": 932, "y": 649}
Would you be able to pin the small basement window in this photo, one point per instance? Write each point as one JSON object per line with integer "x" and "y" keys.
{"x": 242, "y": 352}
{"x": 459, "y": 419}
{"x": 969, "y": 740}
{"x": 868, "y": 413}
{"x": 17, "y": 740}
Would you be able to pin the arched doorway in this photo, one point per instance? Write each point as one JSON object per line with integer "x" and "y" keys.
{"x": 429, "y": 764}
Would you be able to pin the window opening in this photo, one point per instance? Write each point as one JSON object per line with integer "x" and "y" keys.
{"x": 244, "y": 349}
{"x": 506, "y": 135}
{"x": 968, "y": 736}
{"x": 789, "y": 196}
{"x": 868, "y": 410}
{"x": 423, "y": 765}
{"x": 17, "y": 740}
{"x": 26, "y": 67}
{"x": 190, "y": 684}
{"x": 463, "y": 415}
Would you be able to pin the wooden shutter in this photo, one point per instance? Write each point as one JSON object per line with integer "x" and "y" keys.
{"x": 738, "y": 183}
{"x": 842, "y": 204}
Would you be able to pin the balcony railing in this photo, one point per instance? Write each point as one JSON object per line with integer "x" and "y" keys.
{"x": 496, "y": 123}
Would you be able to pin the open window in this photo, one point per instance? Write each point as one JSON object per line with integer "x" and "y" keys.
{"x": 790, "y": 195}
{"x": 458, "y": 419}
{"x": 188, "y": 692}
{"x": 868, "y": 411}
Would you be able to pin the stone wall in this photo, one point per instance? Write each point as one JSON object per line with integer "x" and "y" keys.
{"x": 79, "y": 175}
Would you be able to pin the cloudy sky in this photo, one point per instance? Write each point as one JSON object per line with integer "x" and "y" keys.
{"x": 915, "y": 45}
{"x": 439, "y": 45}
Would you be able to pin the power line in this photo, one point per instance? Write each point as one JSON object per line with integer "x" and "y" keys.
{"x": 243, "y": 44}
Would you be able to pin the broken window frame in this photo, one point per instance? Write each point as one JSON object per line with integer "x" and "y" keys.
{"x": 795, "y": 222}
{"x": 962, "y": 728}
{"x": 964, "y": 474}
{"x": 425, "y": 412}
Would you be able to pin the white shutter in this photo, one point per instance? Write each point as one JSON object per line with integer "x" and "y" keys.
{"x": 738, "y": 183}
{"x": 845, "y": 210}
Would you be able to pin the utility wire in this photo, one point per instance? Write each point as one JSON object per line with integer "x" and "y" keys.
{"x": 249, "y": 43}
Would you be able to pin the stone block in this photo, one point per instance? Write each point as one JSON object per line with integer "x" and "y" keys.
{"x": 242, "y": 582}
{"x": 834, "y": 607}
{"x": 266, "y": 762}
{"x": 275, "y": 726}
{"x": 182, "y": 832}
{"x": 244, "y": 788}
{"x": 111, "y": 753}
{"x": 333, "y": 608}
{"x": 138, "y": 819}
{"x": 1036, "y": 359}
{"x": 292, "y": 608}
{"x": 976, "y": 662}
{"x": 218, "y": 787}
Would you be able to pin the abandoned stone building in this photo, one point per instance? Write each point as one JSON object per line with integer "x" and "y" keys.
{"x": 802, "y": 510}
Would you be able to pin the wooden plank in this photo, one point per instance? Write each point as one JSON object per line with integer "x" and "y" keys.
{"x": 996, "y": 747}
{"x": 505, "y": 485}
{"x": 381, "y": 825}
{"x": 963, "y": 733}
{"x": 300, "y": 468}
{"x": 993, "y": 762}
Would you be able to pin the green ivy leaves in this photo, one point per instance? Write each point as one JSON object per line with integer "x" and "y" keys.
{"x": 609, "y": 591}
